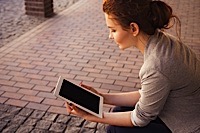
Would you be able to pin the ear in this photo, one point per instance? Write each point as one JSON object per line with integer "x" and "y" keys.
{"x": 134, "y": 29}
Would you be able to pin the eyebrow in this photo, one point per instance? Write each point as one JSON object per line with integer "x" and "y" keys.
{"x": 110, "y": 27}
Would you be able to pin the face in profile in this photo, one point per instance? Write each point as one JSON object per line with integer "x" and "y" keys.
{"x": 123, "y": 38}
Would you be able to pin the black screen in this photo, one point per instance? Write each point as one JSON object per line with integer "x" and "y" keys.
{"x": 80, "y": 96}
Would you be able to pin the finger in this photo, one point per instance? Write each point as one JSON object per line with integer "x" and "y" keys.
{"x": 68, "y": 107}
{"x": 85, "y": 86}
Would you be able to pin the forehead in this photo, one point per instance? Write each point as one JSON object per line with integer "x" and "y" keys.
{"x": 110, "y": 20}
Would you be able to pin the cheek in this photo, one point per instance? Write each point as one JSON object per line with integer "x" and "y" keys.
{"x": 121, "y": 38}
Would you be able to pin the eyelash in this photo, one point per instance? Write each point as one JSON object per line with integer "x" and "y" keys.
{"x": 113, "y": 30}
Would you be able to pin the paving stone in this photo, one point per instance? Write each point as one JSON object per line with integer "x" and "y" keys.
{"x": 10, "y": 129}
{"x": 18, "y": 120}
{"x": 39, "y": 131}
{"x": 50, "y": 116}
{"x": 101, "y": 128}
{"x": 26, "y": 112}
{"x": 13, "y": 110}
{"x": 37, "y": 114}
{"x": 6, "y": 117}
{"x": 31, "y": 122}
{"x": 24, "y": 129}
{"x": 63, "y": 119}
{"x": 4, "y": 107}
{"x": 87, "y": 130}
{"x": 71, "y": 129}
{"x": 57, "y": 127}
{"x": 43, "y": 124}
{"x": 2, "y": 125}
{"x": 76, "y": 121}
{"x": 90, "y": 124}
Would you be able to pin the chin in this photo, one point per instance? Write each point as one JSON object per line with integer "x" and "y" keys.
{"x": 123, "y": 48}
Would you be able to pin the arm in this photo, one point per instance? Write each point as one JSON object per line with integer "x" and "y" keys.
{"x": 117, "y": 118}
{"x": 118, "y": 99}
{"x": 121, "y": 99}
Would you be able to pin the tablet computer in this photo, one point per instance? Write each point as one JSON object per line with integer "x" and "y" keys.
{"x": 79, "y": 96}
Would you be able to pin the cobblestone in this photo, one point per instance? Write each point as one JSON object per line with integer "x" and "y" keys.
{"x": 14, "y": 22}
{"x": 26, "y": 120}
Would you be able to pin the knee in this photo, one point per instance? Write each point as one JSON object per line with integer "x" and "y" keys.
{"x": 110, "y": 129}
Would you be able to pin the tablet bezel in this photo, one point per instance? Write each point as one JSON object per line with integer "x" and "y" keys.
{"x": 57, "y": 90}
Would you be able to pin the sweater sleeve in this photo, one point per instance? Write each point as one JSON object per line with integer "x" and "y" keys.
{"x": 155, "y": 88}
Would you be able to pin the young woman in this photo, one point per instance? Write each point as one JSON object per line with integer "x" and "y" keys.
{"x": 169, "y": 98}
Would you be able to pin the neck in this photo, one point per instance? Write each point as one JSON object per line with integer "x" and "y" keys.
{"x": 142, "y": 41}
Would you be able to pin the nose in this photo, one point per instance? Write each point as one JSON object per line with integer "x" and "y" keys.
{"x": 111, "y": 36}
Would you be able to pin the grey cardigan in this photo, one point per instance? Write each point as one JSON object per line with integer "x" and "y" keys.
{"x": 170, "y": 85}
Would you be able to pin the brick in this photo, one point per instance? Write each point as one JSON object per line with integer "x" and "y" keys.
{"x": 40, "y": 63}
{"x": 78, "y": 73}
{"x": 20, "y": 79}
{"x": 32, "y": 99}
{"x": 24, "y": 85}
{"x": 111, "y": 87}
{"x": 9, "y": 88}
{"x": 102, "y": 80}
{"x": 2, "y": 71}
{"x": 48, "y": 73}
{"x": 10, "y": 63}
{"x": 5, "y": 77}
{"x": 98, "y": 75}
{"x": 85, "y": 78}
{"x": 39, "y": 82}
{"x": 3, "y": 99}
{"x": 53, "y": 102}
{"x": 16, "y": 102}
{"x": 13, "y": 68}
{"x": 12, "y": 95}
{"x": 51, "y": 78}
{"x": 6, "y": 82}
{"x": 43, "y": 88}
{"x": 37, "y": 106}
{"x": 123, "y": 83}
{"x": 46, "y": 95}
{"x": 121, "y": 69}
{"x": 57, "y": 110}
{"x": 18, "y": 74}
{"x": 34, "y": 76}
{"x": 110, "y": 72}
{"x": 56, "y": 65}
{"x": 60, "y": 70}
{"x": 92, "y": 70}
{"x": 26, "y": 70}
{"x": 28, "y": 92}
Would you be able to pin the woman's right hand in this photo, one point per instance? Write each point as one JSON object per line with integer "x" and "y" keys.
{"x": 90, "y": 88}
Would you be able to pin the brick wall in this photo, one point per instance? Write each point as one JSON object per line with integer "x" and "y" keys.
{"x": 39, "y": 7}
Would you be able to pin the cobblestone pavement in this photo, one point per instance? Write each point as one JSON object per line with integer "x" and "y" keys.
{"x": 14, "y": 22}
{"x": 73, "y": 44}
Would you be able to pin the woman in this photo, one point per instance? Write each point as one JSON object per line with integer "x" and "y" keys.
{"x": 169, "y": 98}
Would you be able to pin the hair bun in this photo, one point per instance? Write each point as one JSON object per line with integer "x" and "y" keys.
{"x": 161, "y": 14}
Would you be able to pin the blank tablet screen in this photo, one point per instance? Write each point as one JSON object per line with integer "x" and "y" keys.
{"x": 80, "y": 96}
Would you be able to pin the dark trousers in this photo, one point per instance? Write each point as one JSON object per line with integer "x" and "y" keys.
{"x": 155, "y": 126}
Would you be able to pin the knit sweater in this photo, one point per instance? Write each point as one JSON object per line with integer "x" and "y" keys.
{"x": 170, "y": 85}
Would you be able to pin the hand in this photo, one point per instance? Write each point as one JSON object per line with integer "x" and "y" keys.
{"x": 72, "y": 109}
{"x": 90, "y": 88}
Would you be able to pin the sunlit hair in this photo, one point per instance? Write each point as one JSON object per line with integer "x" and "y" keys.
{"x": 149, "y": 15}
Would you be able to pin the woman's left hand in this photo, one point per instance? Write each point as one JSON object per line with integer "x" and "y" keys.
{"x": 72, "y": 109}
